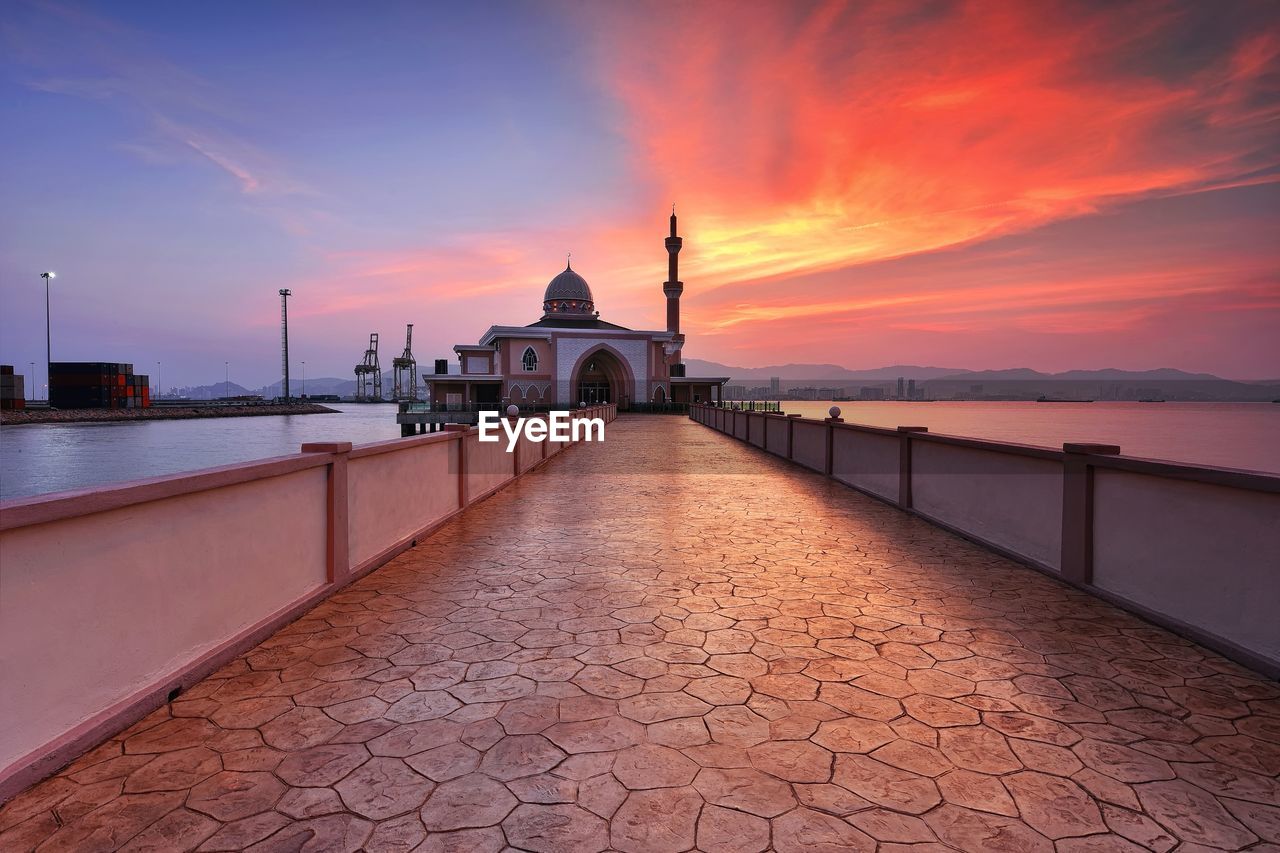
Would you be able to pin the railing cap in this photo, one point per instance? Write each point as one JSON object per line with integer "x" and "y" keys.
{"x": 913, "y": 429}
{"x": 327, "y": 447}
{"x": 1087, "y": 447}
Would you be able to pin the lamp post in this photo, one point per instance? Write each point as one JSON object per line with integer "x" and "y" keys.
{"x": 285, "y": 293}
{"x": 48, "y": 349}
{"x": 226, "y": 378}
{"x": 304, "y": 379}
{"x": 32, "y": 376}
{"x": 159, "y": 387}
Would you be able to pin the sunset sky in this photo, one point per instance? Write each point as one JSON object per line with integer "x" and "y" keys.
{"x": 976, "y": 185}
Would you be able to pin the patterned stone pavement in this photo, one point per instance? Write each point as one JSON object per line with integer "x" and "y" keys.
{"x": 599, "y": 658}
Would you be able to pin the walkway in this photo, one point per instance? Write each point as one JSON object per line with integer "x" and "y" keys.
{"x": 671, "y": 642}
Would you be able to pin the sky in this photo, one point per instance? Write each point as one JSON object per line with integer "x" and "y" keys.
{"x": 1055, "y": 185}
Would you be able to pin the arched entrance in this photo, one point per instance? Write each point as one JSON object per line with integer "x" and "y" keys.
{"x": 600, "y": 378}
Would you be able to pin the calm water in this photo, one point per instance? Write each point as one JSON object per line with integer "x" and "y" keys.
{"x": 44, "y": 458}
{"x": 40, "y": 458}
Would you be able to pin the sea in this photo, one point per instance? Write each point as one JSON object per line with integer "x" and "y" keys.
{"x": 38, "y": 459}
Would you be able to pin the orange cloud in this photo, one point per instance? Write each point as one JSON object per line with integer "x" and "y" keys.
{"x": 807, "y": 138}
{"x": 821, "y": 155}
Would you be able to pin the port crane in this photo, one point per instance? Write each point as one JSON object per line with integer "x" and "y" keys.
{"x": 369, "y": 374}
{"x": 405, "y": 367}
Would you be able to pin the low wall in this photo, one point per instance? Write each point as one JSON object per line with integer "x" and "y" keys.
{"x": 392, "y": 487}
{"x": 113, "y": 598}
{"x": 1010, "y": 496}
{"x": 1188, "y": 547}
{"x": 869, "y": 461}
{"x": 1201, "y": 553}
{"x": 808, "y": 444}
{"x": 756, "y": 430}
{"x": 777, "y": 435}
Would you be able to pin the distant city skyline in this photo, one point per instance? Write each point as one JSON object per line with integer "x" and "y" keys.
{"x": 1048, "y": 185}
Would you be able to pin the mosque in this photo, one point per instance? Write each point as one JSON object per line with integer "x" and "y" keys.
{"x": 571, "y": 356}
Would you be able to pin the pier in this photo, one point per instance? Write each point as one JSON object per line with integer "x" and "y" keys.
{"x": 672, "y": 640}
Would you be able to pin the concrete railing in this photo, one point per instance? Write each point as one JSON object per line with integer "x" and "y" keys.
{"x": 1189, "y": 547}
{"x": 114, "y": 599}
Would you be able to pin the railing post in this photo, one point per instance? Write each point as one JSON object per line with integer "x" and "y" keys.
{"x": 791, "y": 432}
{"x": 337, "y": 555}
{"x": 1077, "y": 508}
{"x": 904, "y": 463}
{"x": 828, "y": 463}
{"x": 461, "y": 430}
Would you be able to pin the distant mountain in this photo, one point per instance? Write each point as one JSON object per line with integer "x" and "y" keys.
{"x": 1109, "y": 384}
{"x": 1109, "y": 374}
{"x": 1008, "y": 374}
{"x": 312, "y": 385}
{"x": 318, "y": 385}
{"x": 1016, "y": 383}
{"x": 795, "y": 372}
{"x": 210, "y": 392}
{"x": 933, "y": 382}
{"x": 816, "y": 372}
{"x": 333, "y": 385}
{"x": 1167, "y": 374}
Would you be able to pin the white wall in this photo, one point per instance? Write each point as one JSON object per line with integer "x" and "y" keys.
{"x": 110, "y": 596}
{"x": 394, "y": 495}
{"x": 94, "y": 608}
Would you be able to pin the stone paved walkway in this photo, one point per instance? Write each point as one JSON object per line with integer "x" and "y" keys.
{"x": 597, "y": 659}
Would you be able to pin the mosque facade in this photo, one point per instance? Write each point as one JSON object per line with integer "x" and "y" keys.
{"x": 571, "y": 356}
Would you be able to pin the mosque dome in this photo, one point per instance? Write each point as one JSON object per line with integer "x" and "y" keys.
{"x": 568, "y": 293}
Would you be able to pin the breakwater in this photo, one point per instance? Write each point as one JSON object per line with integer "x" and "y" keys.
{"x": 159, "y": 413}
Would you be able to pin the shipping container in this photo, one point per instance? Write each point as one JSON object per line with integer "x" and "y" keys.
{"x": 95, "y": 384}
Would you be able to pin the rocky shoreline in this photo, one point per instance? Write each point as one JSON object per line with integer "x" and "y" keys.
{"x": 163, "y": 413}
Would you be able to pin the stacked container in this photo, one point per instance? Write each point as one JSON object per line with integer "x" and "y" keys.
{"x": 97, "y": 385}
{"x": 12, "y": 390}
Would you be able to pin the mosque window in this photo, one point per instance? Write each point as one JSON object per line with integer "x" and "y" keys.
{"x": 530, "y": 359}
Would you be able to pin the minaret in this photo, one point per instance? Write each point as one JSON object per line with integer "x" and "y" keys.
{"x": 673, "y": 287}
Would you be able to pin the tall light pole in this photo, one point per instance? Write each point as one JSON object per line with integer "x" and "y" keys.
{"x": 226, "y": 378}
{"x": 159, "y": 387}
{"x": 34, "y": 391}
{"x": 285, "y": 293}
{"x": 304, "y": 379}
{"x": 48, "y": 349}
